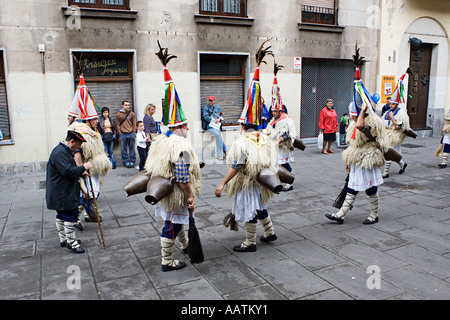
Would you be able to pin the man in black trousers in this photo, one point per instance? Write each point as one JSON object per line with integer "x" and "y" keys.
{"x": 63, "y": 188}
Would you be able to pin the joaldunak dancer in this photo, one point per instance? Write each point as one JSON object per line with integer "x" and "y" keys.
{"x": 172, "y": 156}
{"x": 92, "y": 150}
{"x": 249, "y": 154}
{"x": 281, "y": 129}
{"x": 444, "y": 146}
{"x": 364, "y": 158}
{"x": 397, "y": 123}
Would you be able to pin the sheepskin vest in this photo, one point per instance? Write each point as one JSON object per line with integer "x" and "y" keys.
{"x": 253, "y": 151}
{"x": 363, "y": 151}
{"x": 446, "y": 128}
{"x": 282, "y": 125}
{"x": 164, "y": 152}
{"x": 396, "y": 136}
{"x": 93, "y": 149}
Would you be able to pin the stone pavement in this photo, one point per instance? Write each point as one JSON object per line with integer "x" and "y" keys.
{"x": 404, "y": 256}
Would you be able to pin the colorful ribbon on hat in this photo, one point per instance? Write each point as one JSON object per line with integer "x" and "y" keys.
{"x": 252, "y": 112}
{"x": 83, "y": 102}
{"x": 399, "y": 91}
{"x": 277, "y": 102}
{"x": 361, "y": 96}
{"x": 172, "y": 104}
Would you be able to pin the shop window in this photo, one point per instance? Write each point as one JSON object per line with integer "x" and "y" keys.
{"x": 223, "y": 76}
{"x": 108, "y": 76}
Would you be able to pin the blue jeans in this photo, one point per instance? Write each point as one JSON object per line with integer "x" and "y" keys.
{"x": 127, "y": 148}
{"x": 142, "y": 157}
{"x": 109, "y": 150}
{"x": 342, "y": 137}
{"x": 219, "y": 141}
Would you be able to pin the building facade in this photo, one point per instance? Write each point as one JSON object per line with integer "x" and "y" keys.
{"x": 215, "y": 42}
{"x": 415, "y": 34}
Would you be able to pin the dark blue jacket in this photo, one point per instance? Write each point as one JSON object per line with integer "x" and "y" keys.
{"x": 62, "y": 186}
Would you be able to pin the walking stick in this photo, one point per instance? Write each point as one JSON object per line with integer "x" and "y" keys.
{"x": 96, "y": 212}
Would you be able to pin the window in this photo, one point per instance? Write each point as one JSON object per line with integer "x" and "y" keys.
{"x": 223, "y": 76}
{"x": 108, "y": 76}
{"x": 319, "y": 12}
{"x": 237, "y": 8}
{"x": 102, "y": 4}
{"x": 4, "y": 112}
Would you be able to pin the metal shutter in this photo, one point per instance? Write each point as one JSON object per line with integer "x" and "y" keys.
{"x": 4, "y": 116}
{"x": 322, "y": 80}
{"x": 111, "y": 94}
{"x": 229, "y": 96}
{"x": 319, "y": 3}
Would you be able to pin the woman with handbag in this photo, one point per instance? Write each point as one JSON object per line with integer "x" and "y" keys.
{"x": 107, "y": 128}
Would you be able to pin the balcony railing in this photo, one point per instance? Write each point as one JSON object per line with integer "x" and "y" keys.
{"x": 319, "y": 15}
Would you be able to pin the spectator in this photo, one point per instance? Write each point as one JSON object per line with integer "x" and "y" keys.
{"x": 342, "y": 127}
{"x": 150, "y": 125}
{"x": 212, "y": 114}
{"x": 106, "y": 126}
{"x": 126, "y": 129}
{"x": 328, "y": 125}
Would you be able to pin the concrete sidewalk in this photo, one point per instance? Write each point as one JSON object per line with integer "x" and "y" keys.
{"x": 404, "y": 256}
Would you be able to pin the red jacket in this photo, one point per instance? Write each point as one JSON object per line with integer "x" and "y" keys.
{"x": 328, "y": 120}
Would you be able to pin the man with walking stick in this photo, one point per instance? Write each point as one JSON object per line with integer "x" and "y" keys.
{"x": 63, "y": 188}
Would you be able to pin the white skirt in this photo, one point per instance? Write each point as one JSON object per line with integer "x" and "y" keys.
{"x": 285, "y": 156}
{"x": 177, "y": 216}
{"x": 95, "y": 184}
{"x": 361, "y": 179}
{"x": 446, "y": 139}
{"x": 246, "y": 202}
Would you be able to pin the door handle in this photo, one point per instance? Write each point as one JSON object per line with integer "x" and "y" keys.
{"x": 425, "y": 79}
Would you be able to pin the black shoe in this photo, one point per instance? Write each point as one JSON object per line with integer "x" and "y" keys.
{"x": 270, "y": 238}
{"x": 442, "y": 166}
{"x": 385, "y": 176}
{"x": 179, "y": 266}
{"x": 185, "y": 250}
{"x": 79, "y": 226}
{"x": 114, "y": 166}
{"x": 402, "y": 169}
{"x": 240, "y": 248}
{"x": 331, "y": 217}
{"x": 76, "y": 250}
{"x": 370, "y": 221}
{"x": 64, "y": 243}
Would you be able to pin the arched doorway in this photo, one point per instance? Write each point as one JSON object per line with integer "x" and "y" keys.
{"x": 428, "y": 58}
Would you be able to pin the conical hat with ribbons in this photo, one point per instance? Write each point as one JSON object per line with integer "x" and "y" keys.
{"x": 173, "y": 115}
{"x": 252, "y": 112}
{"x": 83, "y": 105}
{"x": 361, "y": 97}
{"x": 398, "y": 96}
{"x": 277, "y": 102}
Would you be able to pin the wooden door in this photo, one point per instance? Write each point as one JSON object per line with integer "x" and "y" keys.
{"x": 419, "y": 85}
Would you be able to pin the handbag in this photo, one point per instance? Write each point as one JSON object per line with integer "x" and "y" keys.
{"x": 108, "y": 137}
{"x": 320, "y": 140}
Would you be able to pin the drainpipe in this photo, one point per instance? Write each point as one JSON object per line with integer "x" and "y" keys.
{"x": 47, "y": 120}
